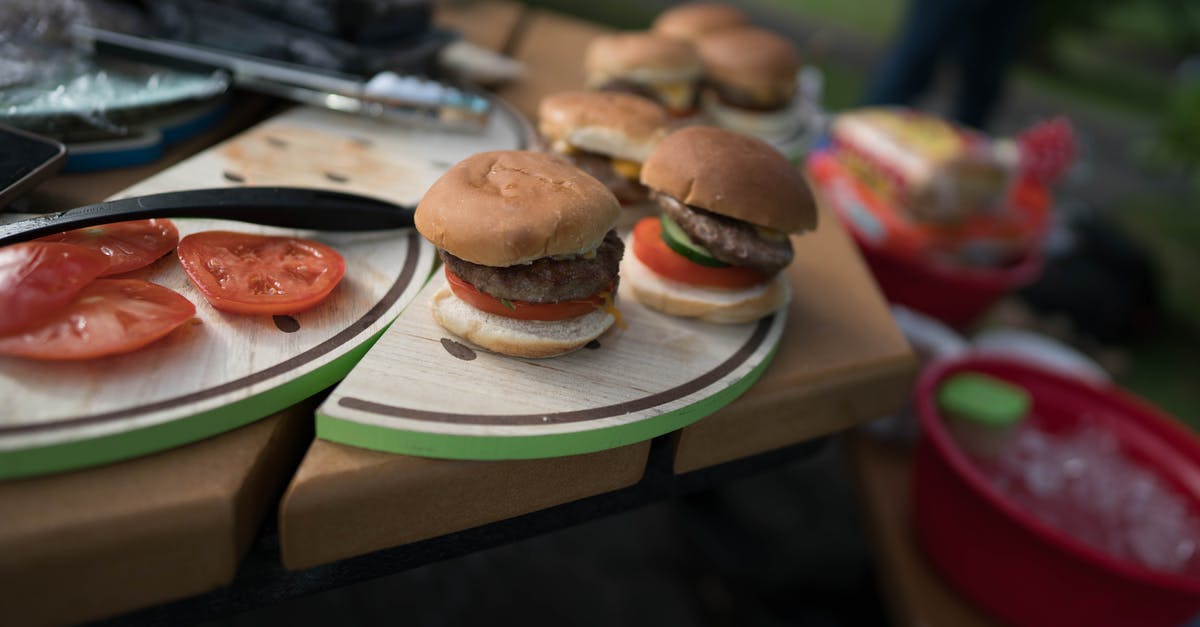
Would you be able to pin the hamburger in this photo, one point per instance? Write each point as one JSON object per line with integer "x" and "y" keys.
{"x": 661, "y": 69}
{"x": 751, "y": 81}
{"x": 691, "y": 20}
{"x": 606, "y": 134}
{"x": 529, "y": 250}
{"x": 718, "y": 249}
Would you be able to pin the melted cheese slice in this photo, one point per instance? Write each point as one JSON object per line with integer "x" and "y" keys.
{"x": 610, "y": 307}
{"x": 628, "y": 169}
{"x": 771, "y": 235}
{"x": 675, "y": 95}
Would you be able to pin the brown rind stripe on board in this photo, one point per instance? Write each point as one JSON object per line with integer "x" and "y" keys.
{"x": 738, "y": 358}
{"x": 360, "y": 325}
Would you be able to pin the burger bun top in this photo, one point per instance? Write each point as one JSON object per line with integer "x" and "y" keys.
{"x": 731, "y": 174}
{"x": 749, "y": 58}
{"x": 510, "y": 207}
{"x": 642, "y": 57}
{"x": 691, "y": 20}
{"x": 609, "y": 123}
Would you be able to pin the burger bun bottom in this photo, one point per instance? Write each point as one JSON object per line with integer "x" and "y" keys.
{"x": 519, "y": 338}
{"x": 710, "y": 304}
{"x": 769, "y": 126}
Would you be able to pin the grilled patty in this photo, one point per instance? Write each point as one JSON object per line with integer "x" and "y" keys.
{"x": 545, "y": 280}
{"x": 740, "y": 98}
{"x": 645, "y": 91}
{"x": 630, "y": 87}
{"x": 627, "y": 191}
{"x": 730, "y": 240}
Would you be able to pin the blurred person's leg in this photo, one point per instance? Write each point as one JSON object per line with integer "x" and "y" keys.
{"x": 993, "y": 39}
{"x": 930, "y": 28}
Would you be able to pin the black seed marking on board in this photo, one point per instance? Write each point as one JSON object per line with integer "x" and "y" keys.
{"x": 362, "y": 141}
{"x": 594, "y": 344}
{"x": 233, "y": 176}
{"x": 337, "y": 178}
{"x": 458, "y": 350}
{"x": 444, "y": 165}
{"x": 287, "y": 324}
{"x": 276, "y": 142}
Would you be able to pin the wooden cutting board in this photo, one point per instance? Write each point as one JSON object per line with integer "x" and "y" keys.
{"x": 423, "y": 391}
{"x": 222, "y": 371}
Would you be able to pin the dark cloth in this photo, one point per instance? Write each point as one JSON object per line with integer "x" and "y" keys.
{"x": 984, "y": 35}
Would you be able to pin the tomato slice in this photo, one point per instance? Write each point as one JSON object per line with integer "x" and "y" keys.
{"x": 259, "y": 274}
{"x": 651, "y": 250}
{"x": 129, "y": 245}
{"x": 523, "y": 310}
{"x": 107, "y": 317}
{"x": 39, "y": 278}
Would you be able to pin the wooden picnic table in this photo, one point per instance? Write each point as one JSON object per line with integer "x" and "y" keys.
{"x": 145, "y": 532}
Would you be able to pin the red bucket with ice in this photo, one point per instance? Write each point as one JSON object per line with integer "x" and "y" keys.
{"x": 1088, "y": 515}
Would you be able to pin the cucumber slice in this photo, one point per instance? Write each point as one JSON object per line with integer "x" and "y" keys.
{"x": 678, "y": 241}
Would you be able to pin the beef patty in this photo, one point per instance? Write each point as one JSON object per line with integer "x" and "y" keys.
{"x": 733, "y": 241}
{"x": 630, "y": 87}
{"x": 627, "y": 191}
{"x": 648, "y": 92}
{"x": 740, "y": 98}
{"x": 545, "y": 280}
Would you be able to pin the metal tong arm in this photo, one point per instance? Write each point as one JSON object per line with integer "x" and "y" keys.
{"x": 290, "y": 207}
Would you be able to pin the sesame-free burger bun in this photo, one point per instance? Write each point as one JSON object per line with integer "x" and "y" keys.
{"x": 731, "y": 174}
{"x": 640, "y": 56}
{"x": 691, "y": 20}
{"x": 724, "y": 306}
{"x": 509, "y": 336}
{"x": 508, "y": 207}
{"x": 610, "y": 123}
{"x": 749, "y": 58}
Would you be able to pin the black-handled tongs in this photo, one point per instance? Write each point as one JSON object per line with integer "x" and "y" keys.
{"x": 291, "y": 207}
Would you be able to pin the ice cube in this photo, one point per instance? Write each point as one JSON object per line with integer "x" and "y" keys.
{"x": 1044, "y": 477}
{"x": 1162, "y": 543}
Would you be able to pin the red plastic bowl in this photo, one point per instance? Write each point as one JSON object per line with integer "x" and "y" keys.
{"x": 956, "y": 296}
{"x": 1009, "y": 562}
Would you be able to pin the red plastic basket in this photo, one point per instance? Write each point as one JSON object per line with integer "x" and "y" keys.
{"x": 956, "y": 296}
{"x": 1012, "y": 564}
{"x": 898, "y": 252}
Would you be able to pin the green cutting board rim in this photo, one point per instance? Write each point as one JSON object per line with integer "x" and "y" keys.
{"x": 501, "y": 447}
{"x": 116, "y": 447}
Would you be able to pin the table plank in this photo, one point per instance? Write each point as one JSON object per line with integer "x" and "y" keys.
{"x": 917, "y": 594}
{"x": 95, "y": 543}
{"x": 346, "y": 501}
{"x": 488, "y": 24}
{"x": 841, "y": 361}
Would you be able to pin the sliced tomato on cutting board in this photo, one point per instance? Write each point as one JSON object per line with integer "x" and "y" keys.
{"x": 524, "y": 310}
{"x": 650, "y": 249}
{"x": 39, "y": 278}
{"x": 128, "y": 245}
{"x": 107, "y": 317}
{"x": 259, "y": 274}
